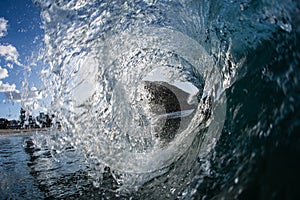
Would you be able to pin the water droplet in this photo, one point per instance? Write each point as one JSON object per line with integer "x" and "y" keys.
{"x": 285, "y": 26}
{"x": 96, "y": 184}
{"x": 172, "y": 190}
{"x": 243, "y": 6}
{"x": 236, "y": 180}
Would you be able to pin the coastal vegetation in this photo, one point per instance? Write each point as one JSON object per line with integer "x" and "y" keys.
{"x": 27, "y": 121}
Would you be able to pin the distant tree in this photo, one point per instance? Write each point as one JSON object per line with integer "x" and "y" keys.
{"x": 3, "y": 123}
{"x": 30, "y": 121}
{"x": 48, "y": 121}
{"x": 22, "y": 117}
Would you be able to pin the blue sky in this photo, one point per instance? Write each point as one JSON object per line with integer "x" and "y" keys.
{"x": 21, "y": 38}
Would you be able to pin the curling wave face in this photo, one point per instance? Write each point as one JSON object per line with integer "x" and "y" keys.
{"x": 140, "y": 86}
{"x": 115, "y": 116}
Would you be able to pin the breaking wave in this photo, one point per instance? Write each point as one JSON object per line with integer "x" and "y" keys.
{"x": 143, "y": 89}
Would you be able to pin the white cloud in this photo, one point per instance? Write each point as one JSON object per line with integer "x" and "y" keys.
{"x": 34, "y": 93}
{"x": 3, "y": 73}
{"x": 30, "y": 95}
{"x": 13, "y": 95}
{"x": 6, "y": 87}
{"x": 10, "y": 53}
{"x": 3, "y": 27}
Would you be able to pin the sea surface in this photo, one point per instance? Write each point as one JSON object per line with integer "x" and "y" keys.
{"x": 31, "y": 172}
{"x": 17, "y": 181}
{"x": 164, "y": 100}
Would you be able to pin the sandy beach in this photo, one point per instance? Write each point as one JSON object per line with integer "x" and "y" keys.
{"x": 22, "y": 131}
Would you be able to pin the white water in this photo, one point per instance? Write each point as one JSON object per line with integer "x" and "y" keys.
{"x": 99, "y": 56}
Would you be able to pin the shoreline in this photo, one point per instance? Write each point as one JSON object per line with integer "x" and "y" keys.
{"x": 5, "y": 132}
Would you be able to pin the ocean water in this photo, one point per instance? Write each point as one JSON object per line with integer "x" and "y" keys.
{"x": 165, "y": 100}
{"x": 17, "y": 181}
